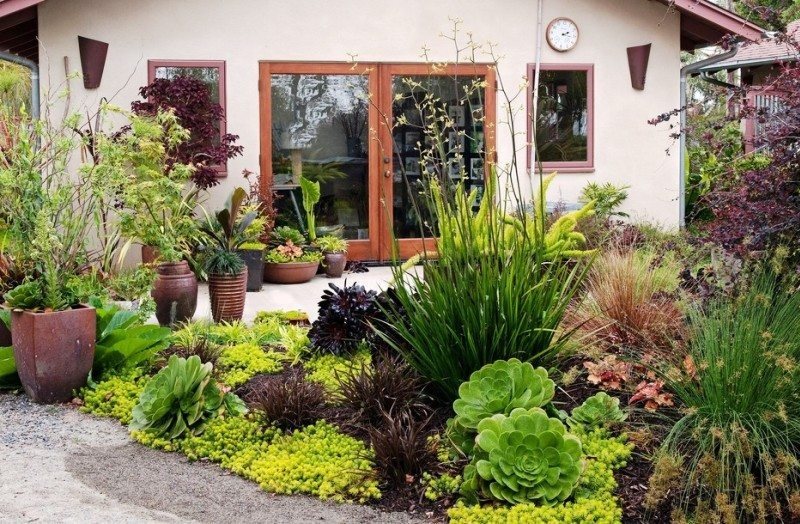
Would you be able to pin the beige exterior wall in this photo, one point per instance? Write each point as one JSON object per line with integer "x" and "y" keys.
{"x": 242, "y": 32}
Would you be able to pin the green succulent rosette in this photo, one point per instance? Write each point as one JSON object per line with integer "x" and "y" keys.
{"x": 595, "y": 412}
{"x": 180, "y": 399}
{"x": 497, "y": 388}
{"x": 523, "y": 457}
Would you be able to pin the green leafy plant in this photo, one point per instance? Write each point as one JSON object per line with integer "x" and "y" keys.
{"x": 597, "y": 411}
{"x": 497, "y": 388}
{"x": 606, "y": 197}
{"x": 123, "y": 341}
{"x": 227, "y": 231}
{"x": 25, "y": 296}
{"x": 289, "y": 252}
{"x": 285, "y": 234}
{"x": 736, "y": 439}
{"x": 180, "y": 399}
{"x": 524, "y": 457}
{"x": 311, "y": 195}
{"x": 331, "y": 244}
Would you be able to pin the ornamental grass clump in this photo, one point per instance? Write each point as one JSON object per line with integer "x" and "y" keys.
{"x": 734, "y": 448}
{"x": 525, "y": 456}
{"x": 180, "y": 399}
{"x": 499, "y": 290}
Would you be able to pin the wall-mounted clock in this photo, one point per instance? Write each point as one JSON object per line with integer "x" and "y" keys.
{"x": 562, "y": 34}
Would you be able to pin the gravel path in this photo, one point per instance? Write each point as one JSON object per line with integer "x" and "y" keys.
{"x": 59, "y": 465}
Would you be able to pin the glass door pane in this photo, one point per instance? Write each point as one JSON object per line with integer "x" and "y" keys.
{"x": 320, "y": 131}
{"x": 438, "y": 133}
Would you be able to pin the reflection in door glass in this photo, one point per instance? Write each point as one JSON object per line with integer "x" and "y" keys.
{"x": 438, "y": 132}
{"x": 319, "y": 131}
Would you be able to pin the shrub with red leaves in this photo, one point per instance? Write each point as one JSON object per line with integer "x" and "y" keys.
{"x": 191, "y": 100}
{"x": 761, "y": 208}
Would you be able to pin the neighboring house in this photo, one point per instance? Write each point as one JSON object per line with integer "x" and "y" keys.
{"x": 281, "y": 70}
{"x": 757, "y": 64}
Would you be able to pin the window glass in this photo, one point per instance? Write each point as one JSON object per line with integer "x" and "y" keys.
{"x": 208, "y": 75}
{"x": 562, "y": 131}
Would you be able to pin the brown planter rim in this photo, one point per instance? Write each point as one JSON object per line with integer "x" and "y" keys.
{"x": 290, "y": 272}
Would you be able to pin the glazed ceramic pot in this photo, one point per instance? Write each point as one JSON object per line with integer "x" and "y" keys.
{"x": 290, "y": 272}
{"x": 175, "y": 293}
{"x": 53, "y": 351}
{"x": 254, "y": 260}
{"x": 227, "y": 296}
{"x": 334, "y": 264}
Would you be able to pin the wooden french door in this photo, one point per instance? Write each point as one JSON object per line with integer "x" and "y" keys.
{"x": 358, "y": 129}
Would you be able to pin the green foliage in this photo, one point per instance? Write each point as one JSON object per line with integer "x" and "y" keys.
{"x": 331, "y": 244}
{"x": 284, "y": 234}
{"x": 597, "y": 411}
{"x": 132, "y": 284}
{"x": 8, "y": 369}
{"x": 440, "y": 486}
{"x": 15, "y": 86}
{"x": 593, "y": 500}
{"x": 525, "y": 456}
{"x": 311, "y": 195}
{"x": 123, "y": 341}
{"x": 242, "y": 362}
{"x": 226, "y": 231}
{"x": 282, "y": 315}
{"x": 114, "y": 396}
{"x": 606, "y": 197}
{"x": 326, "y": 369}
{"x": 497, "y": 388}
{"x": 180, "y": 399}
{"x": 25, "y": 296}
{"x": 737, "y": 436}
{"x": 225, "y": 437}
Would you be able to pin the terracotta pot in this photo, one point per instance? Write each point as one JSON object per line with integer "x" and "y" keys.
{"x": 149, "y": 254}
{"x": 290, "y": 272}
{"x": 227, "y": 296}
{"x": 175, "y": 293}
{"x": 53, "y": 351}
{"x": 334, "y": 264}
{"x": 254, "y": 260}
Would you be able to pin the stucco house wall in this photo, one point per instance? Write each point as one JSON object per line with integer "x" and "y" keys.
{"x": 241, "y": 32}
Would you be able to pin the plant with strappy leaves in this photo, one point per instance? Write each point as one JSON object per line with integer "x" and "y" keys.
{"x": 180, "y": 399}
{"x": 523, "y": 457}
{"x": 227, "y": 230}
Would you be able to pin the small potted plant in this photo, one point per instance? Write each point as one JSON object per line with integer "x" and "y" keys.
{"x": 227, "y": 272}
{"x": 252, "y": 249}
{"x": 334, "y": 251}
{"x": 290, "y": 260}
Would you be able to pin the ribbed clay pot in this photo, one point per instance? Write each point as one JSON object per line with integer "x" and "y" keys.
{"x": 334, "y": 264}
{"x": 227, "y": 296}
{"x": 175, "y": 293}
{"x": 53, "y": 351}
{"x": 254, "y": 260}
{"x": 290, "y": 272}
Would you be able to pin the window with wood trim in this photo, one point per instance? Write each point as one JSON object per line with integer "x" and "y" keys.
{"x": 564, "y": 123}
{"x": 210, "y": 72}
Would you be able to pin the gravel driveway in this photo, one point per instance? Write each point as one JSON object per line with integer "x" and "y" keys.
{"x": 59, "y": 465}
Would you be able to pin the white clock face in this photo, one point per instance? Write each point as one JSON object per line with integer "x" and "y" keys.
{"x": 562, "y": 34}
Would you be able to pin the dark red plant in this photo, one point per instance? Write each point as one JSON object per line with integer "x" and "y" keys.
{"x": 191, "y": 100}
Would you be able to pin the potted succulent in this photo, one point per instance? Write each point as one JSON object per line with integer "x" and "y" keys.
{"x": 290, "y": 260}
{"x": 227, "y": 272}
{"x": 334, "y": 251}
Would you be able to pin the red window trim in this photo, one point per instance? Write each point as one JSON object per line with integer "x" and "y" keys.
{"x": 566, "y": 167}
{"x": 222, "y": 169}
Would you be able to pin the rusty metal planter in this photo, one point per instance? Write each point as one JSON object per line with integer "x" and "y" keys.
{"x": 53, "y": 351}
{"x": 334, "y": 264}
{"x": 227, "y": 294}
{"x": 175, "y": 293}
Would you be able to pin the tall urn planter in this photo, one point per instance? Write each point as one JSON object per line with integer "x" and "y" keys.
{"x": 334, "y": 264}
{"x": 227, "y": 296}
{"x": 53, "y": 351}
{"x": 175, "y": 293}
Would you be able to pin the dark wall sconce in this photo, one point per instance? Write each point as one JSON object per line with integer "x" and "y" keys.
{"x": 638, "y": 58}
{"x": 93, "y": 61}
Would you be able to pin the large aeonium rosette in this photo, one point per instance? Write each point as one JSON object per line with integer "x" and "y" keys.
{"x": 524, "y": 457}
